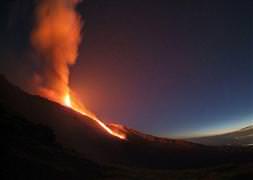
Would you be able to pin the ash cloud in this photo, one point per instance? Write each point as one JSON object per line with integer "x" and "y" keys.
{"x": 55, "y": 37}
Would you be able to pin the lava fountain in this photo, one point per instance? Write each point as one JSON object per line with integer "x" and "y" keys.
{"x": 56, "y": 37}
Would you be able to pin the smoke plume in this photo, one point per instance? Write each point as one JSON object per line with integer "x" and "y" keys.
{"x": 56, "y": 36}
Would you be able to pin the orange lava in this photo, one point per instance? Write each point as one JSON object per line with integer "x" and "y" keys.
{"x": 68, "y": 102}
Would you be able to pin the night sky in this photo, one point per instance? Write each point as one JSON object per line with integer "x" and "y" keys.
{"x": 169, "y": 68}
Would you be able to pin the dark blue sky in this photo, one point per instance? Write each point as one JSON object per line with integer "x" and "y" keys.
{"x": 166, "y": 68}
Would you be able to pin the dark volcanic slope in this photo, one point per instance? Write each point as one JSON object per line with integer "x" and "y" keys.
{"x": 85, "y": 136}
{"x": 29, "y": 151}
{"x": 242, "y": 137}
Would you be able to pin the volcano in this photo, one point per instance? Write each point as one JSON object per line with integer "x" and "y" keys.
{"x": 76, "y": 131}
{"x": 43, "y": 136}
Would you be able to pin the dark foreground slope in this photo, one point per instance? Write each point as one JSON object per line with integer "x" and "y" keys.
{"x": 30, "y": 151}
{"x": 241, "y": 137}
{"x": 83, "y": 135}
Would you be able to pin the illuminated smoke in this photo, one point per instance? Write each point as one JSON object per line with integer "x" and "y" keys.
{"x": 55, "y": 37}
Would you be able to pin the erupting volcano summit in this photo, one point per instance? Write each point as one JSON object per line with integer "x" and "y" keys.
{"x": 56, "y": 37}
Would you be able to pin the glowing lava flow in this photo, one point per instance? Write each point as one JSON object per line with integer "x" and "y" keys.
{"x": 68, "y": 102}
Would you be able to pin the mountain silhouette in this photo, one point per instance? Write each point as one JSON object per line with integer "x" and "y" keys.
{"x": 241, "y": 137}
{"x": 80, "y": 134}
